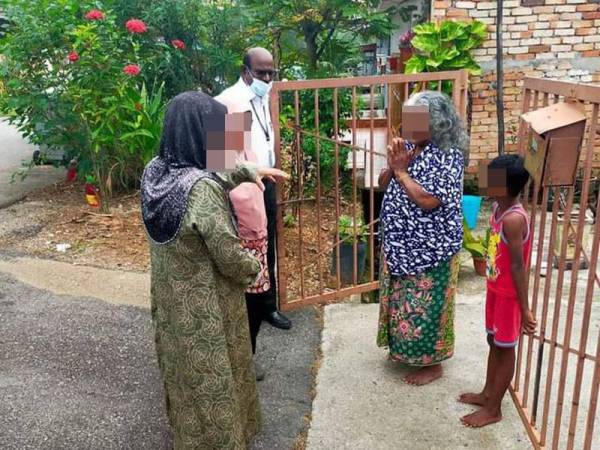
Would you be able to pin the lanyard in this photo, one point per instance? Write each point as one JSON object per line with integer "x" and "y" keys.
{"x": 264, "y": 127}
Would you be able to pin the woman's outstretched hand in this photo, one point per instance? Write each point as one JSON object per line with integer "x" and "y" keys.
{"x": 270, "y": 174}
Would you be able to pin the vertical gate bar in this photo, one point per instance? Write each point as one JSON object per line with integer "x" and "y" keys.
{"x": 355, "y": 244}
{"x": 275, "y": 100}
{"x": 522, "y": 124}
{"x": 546, "y": 299}
{"x": 522, "y": 141}
{"x": 337, "y": 185}
{"x": 465, "y": 94}
{"x": 595, "y": 391}
{"x": 318, "y": 131}
{"x": 406, "y": 91}
{"x": 456, "y": 91}
{"x": 556, "y": 316}
{"x": 587, "y": 310}
{"x": 574, "y": 274}
{"x": 534, "y": 300}
{"x": 371, "y": 187}
{"x": 300, "y": 162}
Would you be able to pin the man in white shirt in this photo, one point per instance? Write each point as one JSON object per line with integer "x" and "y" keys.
{"x": 253, "y": 89}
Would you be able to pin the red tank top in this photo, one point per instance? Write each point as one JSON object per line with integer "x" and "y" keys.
{"x": 499, "y": 277}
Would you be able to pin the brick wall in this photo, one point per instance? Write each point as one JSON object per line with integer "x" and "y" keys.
{"x": 554, "y": 39}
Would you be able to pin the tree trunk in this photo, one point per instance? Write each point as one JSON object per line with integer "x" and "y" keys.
{"x": 310, "y": 38}
{"x": 499, "y": 78}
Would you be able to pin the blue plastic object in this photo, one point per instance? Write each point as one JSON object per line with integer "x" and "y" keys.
{"x": 471, "y": 205}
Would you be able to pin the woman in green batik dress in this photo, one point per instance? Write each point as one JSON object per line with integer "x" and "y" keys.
{"x": 198, "y": 277}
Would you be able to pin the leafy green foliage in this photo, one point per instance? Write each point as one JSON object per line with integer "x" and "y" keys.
{"x": 446, "y": 46}
{"x": 346, "y": 229}
{"x": 320, "y": 26}
{"x": 476, "y": 246}
{"x": 315, "y": 150}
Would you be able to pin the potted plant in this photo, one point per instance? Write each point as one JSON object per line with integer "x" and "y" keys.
{"x": 477, "y": 247}
{"x": 347, "y": 238}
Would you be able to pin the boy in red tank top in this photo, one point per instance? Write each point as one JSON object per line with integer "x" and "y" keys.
{"x": 507, "y": 310}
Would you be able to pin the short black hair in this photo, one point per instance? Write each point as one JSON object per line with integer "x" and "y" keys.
{"x": 516, "y": 174}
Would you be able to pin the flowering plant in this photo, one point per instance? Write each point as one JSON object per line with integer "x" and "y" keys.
{"x": 136, "y": 26}
{"x": 178, "y": 44}
{"x": 109, "y": 98}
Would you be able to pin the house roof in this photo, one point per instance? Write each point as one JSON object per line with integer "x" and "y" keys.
{"x": 555, "y": 116}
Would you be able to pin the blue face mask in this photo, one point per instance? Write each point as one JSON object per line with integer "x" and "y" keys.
{"x": 260, "y": 88}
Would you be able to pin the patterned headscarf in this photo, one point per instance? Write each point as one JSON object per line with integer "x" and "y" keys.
{"x": 169, "y": 178}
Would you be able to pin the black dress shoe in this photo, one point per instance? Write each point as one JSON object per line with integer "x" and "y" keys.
{"x": 278, "y": 320}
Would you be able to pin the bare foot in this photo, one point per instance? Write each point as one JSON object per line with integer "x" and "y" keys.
{"x": 470, "y": 398}
{"x": 424, "y": 375}
{"x": 481, "y": 418}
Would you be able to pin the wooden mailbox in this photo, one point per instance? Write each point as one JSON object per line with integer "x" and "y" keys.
{"x": 554, "y": 143}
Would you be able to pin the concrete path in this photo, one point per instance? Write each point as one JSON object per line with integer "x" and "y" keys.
{"x": 362, "y": 403}
{"x": 13, "y": 151}
{"x": 78, "y": 366}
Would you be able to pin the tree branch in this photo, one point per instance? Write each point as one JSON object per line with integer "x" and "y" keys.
{"x": 328, "y": 37}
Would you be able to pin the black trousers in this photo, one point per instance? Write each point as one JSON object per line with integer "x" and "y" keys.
{"x": 261, "y": 305}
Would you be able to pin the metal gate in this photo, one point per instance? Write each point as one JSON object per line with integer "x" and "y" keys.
{"x": 557, "y": 376}
{"x": 332, "y": 136}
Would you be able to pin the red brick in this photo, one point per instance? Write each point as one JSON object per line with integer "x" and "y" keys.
{"x": 584, "y": 31}
{"x": 591, "y": 53}
{"x": 524, "y": 57}
{"x": 457, "y": 13}
{"x": 587, "y": 8}
{"x": 591, "y": 15}
{"x": 513, "y": 76}
{"x": 539, "y": 48}
{"x": 526, "y": 34}
{"x": 442, "y": 4}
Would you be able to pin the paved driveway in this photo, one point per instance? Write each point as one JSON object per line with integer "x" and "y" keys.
{"x": 80, "y": 373}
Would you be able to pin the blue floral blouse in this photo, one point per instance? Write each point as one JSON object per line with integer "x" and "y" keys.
{"x": 416, "y": 240}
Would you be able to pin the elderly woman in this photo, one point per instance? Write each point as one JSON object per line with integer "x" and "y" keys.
{"x": 421, "y": 222}
{"x": 199, "y": 275}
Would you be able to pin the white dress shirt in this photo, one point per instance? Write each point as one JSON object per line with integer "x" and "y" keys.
{"x": 240, "y": 93}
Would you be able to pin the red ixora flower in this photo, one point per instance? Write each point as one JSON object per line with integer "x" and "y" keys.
{"x": 95, "y": 14}
{"x": 178, "y": 43}
{"x": 132, "y": 69}
{"x": 73, "y": 57}
{"x": 136, "y": 26}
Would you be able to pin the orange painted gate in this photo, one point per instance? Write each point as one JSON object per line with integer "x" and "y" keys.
{"x": 558, "y": 369}
{"x": 332, "y": 138}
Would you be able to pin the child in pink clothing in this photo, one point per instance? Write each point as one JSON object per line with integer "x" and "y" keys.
{"x": 507, "y": 311}
{"x": 249, "y": 207}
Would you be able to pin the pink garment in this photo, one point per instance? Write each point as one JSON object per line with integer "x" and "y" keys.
{"x": 247, "y": 198}
{"x": 249, "y": 205}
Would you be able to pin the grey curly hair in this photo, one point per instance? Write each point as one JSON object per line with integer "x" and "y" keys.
{"x": 446, "y": 127}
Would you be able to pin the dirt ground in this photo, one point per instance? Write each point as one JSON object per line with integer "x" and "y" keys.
{"x": 59, "y": 215}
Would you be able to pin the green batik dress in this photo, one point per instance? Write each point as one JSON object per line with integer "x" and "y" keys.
{"x": 201, "y": 325}
{"x": 416, "y": 314}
